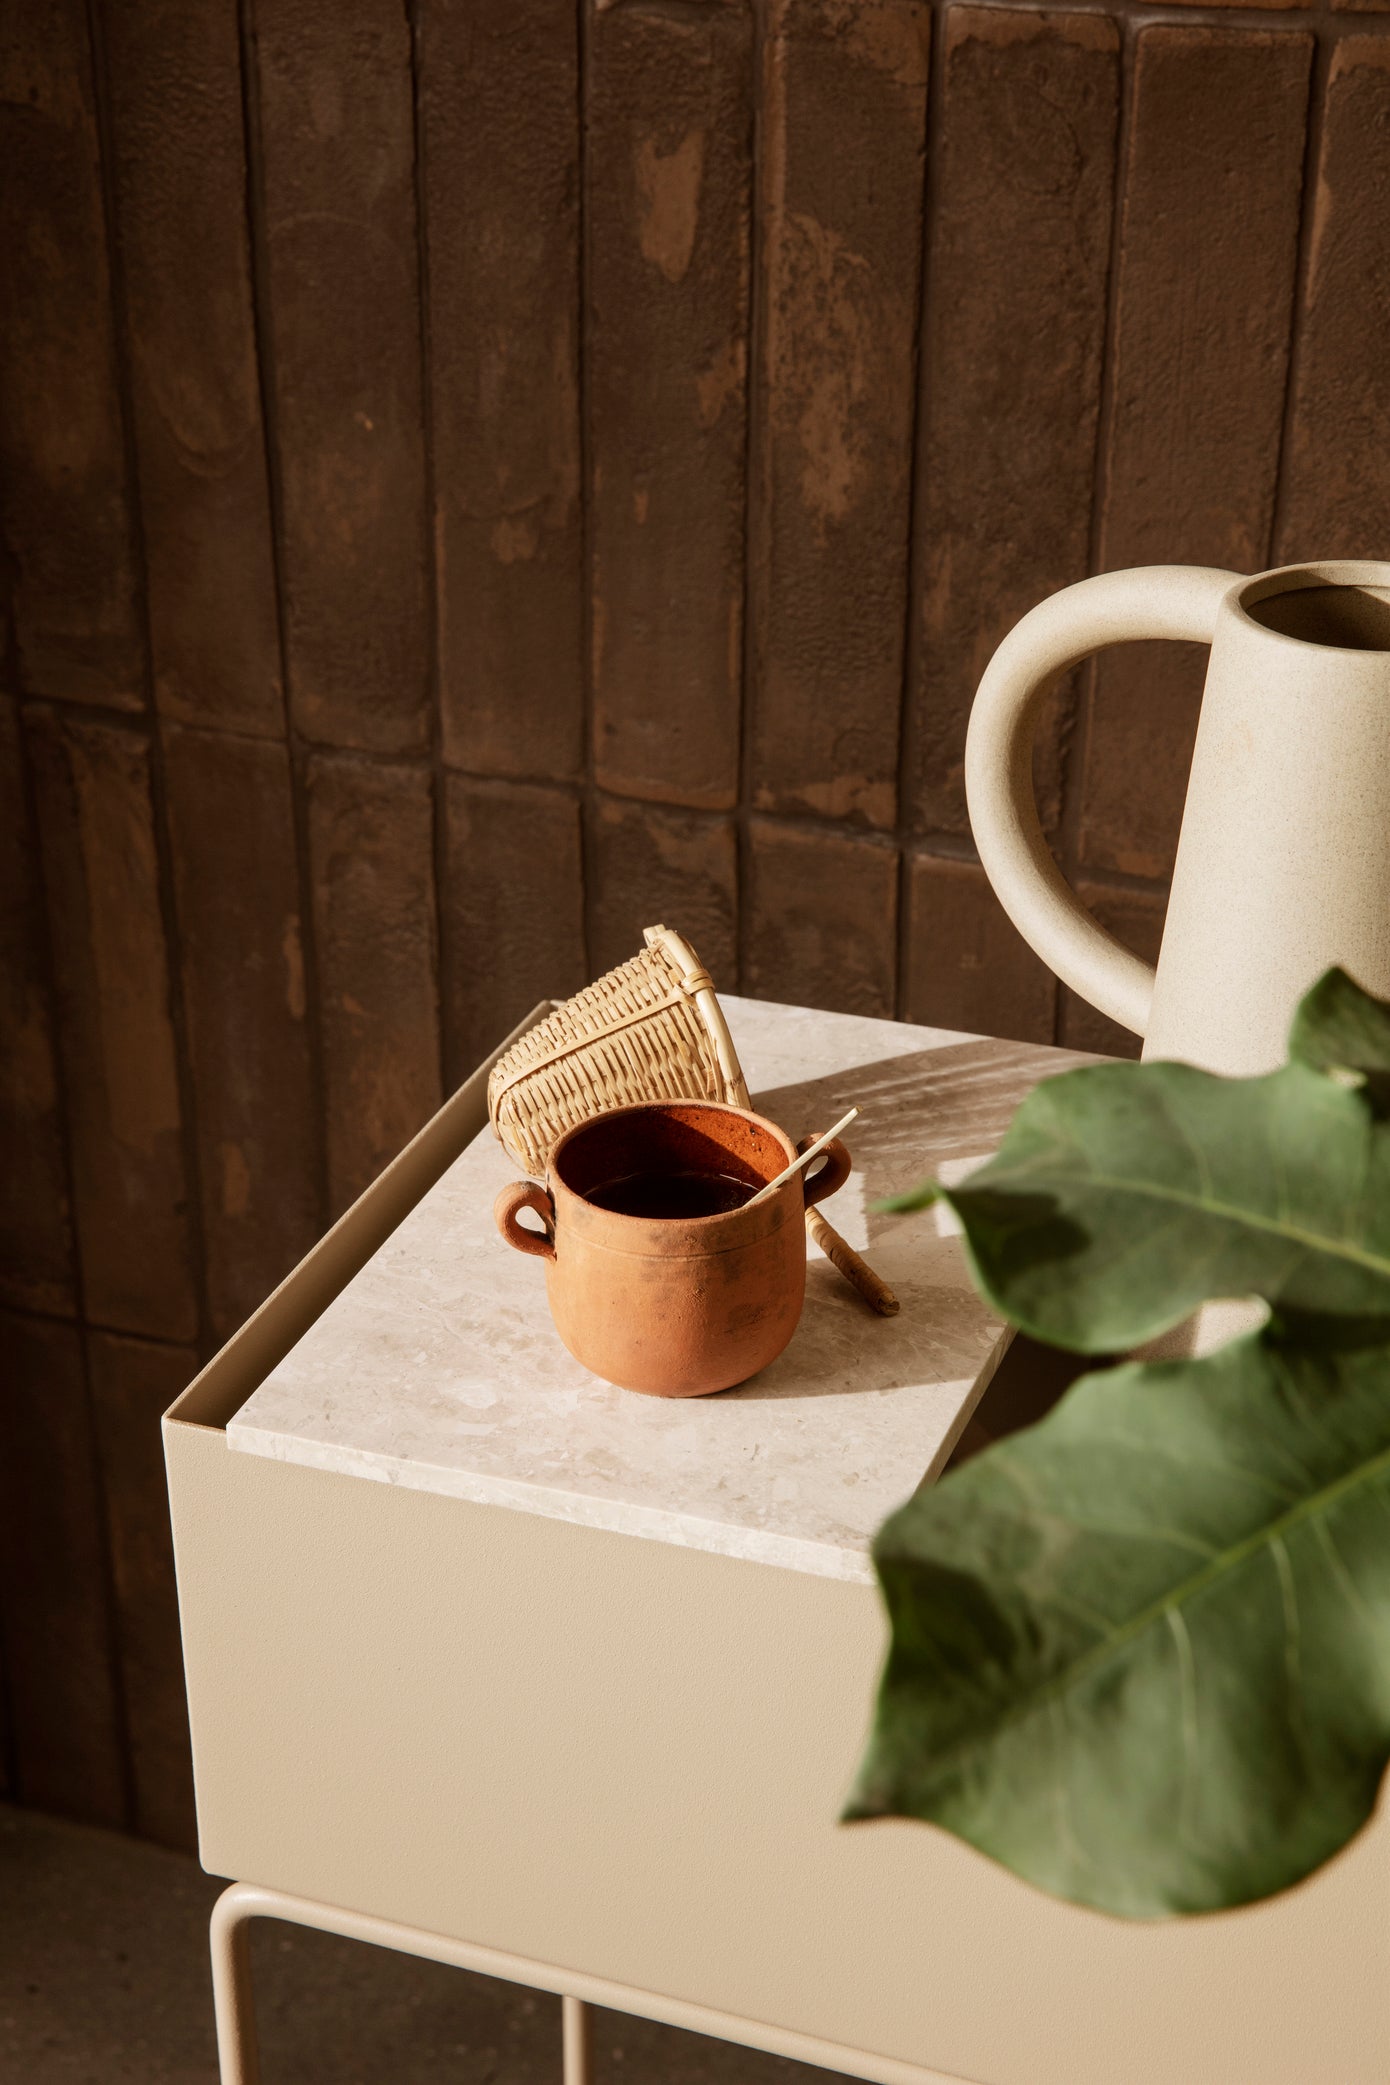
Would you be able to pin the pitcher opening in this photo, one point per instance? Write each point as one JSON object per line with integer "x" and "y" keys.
{"x": 1343, "y": 607}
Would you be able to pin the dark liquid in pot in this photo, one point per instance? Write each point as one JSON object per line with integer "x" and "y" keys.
{"x": 675, "y": 1196}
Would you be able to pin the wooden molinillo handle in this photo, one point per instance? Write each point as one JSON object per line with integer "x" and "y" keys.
{"x": 858, "y": 1273}
{"x": 840, "y": 1253}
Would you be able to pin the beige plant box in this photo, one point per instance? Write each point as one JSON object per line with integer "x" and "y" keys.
{"x": 626, "y": 1757}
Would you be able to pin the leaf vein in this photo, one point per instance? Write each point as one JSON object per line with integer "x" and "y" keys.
{"x": 1172, "y": 1600}
{"x": 1296, "y": 1234}
{"x": 1187, "y": 1709}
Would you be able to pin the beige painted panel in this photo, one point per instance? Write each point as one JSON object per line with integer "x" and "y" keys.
{"x": 617, "y": 1755}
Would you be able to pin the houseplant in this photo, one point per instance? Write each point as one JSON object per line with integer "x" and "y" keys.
{"x": 1140, "y": 1652}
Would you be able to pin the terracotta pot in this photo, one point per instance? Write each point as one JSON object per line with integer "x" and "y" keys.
{"x": 676, "y": 1307}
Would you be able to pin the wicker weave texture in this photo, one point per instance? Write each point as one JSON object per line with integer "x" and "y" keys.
{"x": 637, "y": 1034}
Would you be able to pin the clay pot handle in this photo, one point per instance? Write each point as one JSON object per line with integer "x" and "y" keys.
{"x": 831, "y": 1174}
{"x": 526, "y": 1194}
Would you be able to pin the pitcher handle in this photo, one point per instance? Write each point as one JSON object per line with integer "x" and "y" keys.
{"x": 1113, "y": 608}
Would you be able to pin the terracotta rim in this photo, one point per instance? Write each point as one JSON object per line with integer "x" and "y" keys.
{"x": 769, "y": 1217}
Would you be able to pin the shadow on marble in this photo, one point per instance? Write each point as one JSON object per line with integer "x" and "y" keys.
{"x": 438, "y": 1367}
{"x": 842, "y": 1348}
{"x": 907, "y": 1127}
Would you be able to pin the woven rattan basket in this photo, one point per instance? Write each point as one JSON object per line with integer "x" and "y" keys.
{"x": 652, "y": 1029}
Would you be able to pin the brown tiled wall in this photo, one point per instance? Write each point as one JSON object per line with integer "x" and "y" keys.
{"x": 475, "y": 478}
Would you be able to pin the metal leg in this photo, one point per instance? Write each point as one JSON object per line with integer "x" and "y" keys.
{"x": 577, "y": 2030}
{"x": 578, "y": 1991}
{"x": 233, "y": 2001}
{"x": 238, "y": 2062}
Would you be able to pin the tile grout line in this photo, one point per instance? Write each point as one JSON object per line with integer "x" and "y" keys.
{"x": 1076, "y": 743}
{"x": 911, "y": 668}
{"x": 9, "y": 1734}
{"x": 585, "y": 785}
{"x": 164, "y": 870}
{"x": 149, "y": 724}
{"x": 1319, "y": 78}
{"x": 80, "y": 1321}
{"x": 940, "y": 841}
{"x": 754, "y": 435}
{"x": 296, "y": 748}
{"x": 446, "y": 1052}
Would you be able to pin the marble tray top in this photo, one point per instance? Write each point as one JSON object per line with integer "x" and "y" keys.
{"x": 438, "y": 1367}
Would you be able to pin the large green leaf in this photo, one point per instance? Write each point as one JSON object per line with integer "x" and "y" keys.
{"x": 1340, "y": 1028}
{"x": 1141, "y": 1652}
{"x": 1126, "y": 1194}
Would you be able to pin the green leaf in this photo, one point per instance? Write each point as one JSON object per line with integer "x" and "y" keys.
{"x": 1141, "y": 1652}
{"x": 1124, "y": 1195}
{"x": 920, "y": 1197}
{"x": 1340, "y": 1028}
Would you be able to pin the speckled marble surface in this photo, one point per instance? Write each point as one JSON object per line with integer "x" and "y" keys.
{"x": 438, "y": 1366}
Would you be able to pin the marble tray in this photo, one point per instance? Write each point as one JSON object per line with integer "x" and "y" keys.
{"x": 437, "y": 1367}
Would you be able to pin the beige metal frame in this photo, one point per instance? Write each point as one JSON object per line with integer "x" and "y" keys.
{"x": 236, "y": 2020}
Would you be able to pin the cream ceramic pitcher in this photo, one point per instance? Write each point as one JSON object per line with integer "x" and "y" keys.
{"x": 1283, "y": 863}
